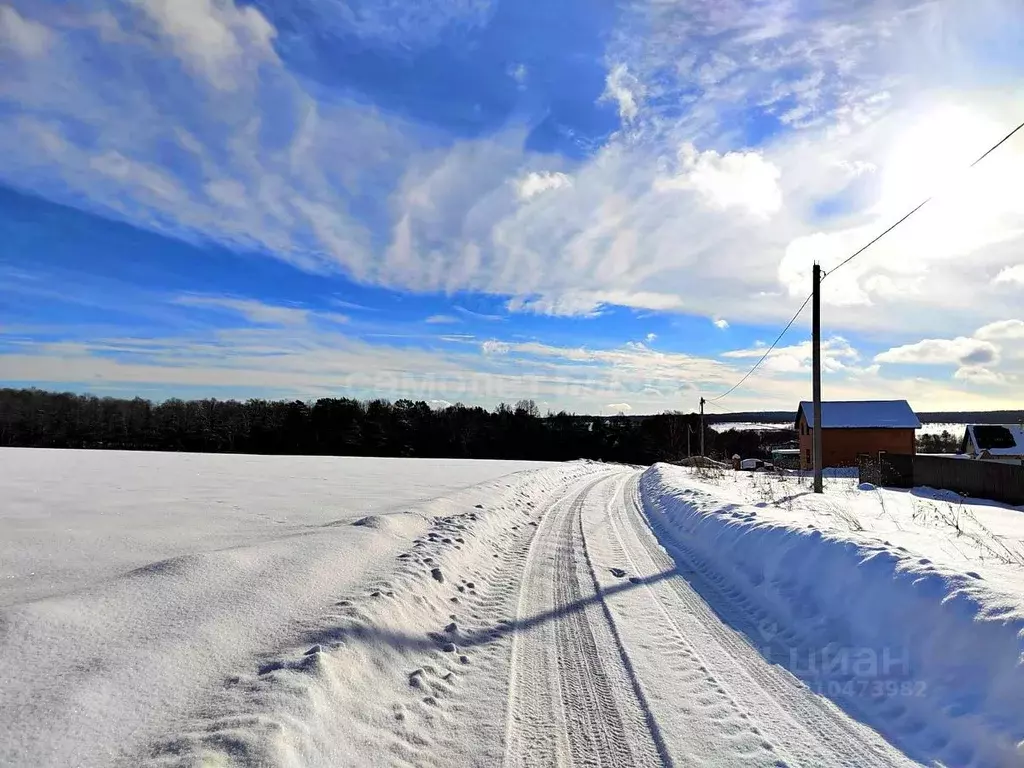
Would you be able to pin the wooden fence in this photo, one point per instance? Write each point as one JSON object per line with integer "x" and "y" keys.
{"x": 980, "y": 479}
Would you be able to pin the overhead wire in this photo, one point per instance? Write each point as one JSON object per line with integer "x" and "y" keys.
{"x": 722, "y": 408}
{"x": 765, "y": 355}
{"x": 847, "y": 260}
{"x": 922, "y": 204}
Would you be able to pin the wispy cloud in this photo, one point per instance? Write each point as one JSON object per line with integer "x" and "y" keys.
{"x": 477, "y": 315}
{"x": 751, "y": 140}
{"x": 623, "y": 89}
{"x": 256, "y": 344}
{"x": 28, "y": 38}
{"x": 260, "y": 312}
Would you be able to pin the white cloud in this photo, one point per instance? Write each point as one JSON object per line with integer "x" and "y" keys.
{"x": 519, "y": 73}
{"x": 976, "y": 374}
{"x": 837, "y": 354}
{"x": 227, "y": 192}
{"x": 24, "y": 36}
{"x": 403, "y": 27}
{"x": 478, "y": 315}
{"x": 538, "y": 182}
{"x": 259, "y": 312}
{"x": 442, "y": 320}
{"x": 1001, "y": 329}
{"x": 650, "y": 337}
{"x": 256, "y": 349}
{"x": 145, "y": 181}
{"x": 733, "y": 180}
{"x": 624, "y": 89}
{"x": 216, "y": 38}
{"x": 494, "y": 347}
{"x": 721, "y": 323}
{"x": 962, "y": 351}
{"x": 588, "y": 303}
{"x": 1013, "y": 275}
{"x": 619, "y": 407}
{"x": 856, "y": 167}
{"x": 455, "y": 220}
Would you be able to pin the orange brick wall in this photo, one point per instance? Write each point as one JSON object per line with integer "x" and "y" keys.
{"x": 841, "y": 446}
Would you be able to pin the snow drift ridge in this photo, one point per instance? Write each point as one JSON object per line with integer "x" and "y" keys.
{"x": 931, "y": 658}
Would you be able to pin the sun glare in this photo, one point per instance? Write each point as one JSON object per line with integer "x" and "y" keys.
{"x": 931, "y": 157}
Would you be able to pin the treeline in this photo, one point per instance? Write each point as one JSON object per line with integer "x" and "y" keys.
{"x": 346, "y": 427}
{"x": 945, "y": 442}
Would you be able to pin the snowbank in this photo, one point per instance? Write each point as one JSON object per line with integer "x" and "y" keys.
{"x": 929, "y": 656}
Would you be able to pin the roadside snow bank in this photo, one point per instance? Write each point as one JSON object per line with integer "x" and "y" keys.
{"x": 929, "y": 656}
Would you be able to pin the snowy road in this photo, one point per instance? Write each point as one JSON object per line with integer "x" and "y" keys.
{"x": 637, "y": 669}
{"x": 550, "y": 617}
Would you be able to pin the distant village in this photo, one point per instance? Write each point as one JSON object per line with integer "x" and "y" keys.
{"x": 880, "y": 438}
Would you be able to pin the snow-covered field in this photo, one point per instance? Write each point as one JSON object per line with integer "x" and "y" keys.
{"x": 163, "y": 609}
{"x": 749, "y": 426}
{"x": 926, "y": 429}
{"x": 71, "y": 518}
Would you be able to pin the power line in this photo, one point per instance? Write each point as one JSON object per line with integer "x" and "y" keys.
{"x": 767, "y": 352}
{"x": 722, "y": 408}
{"x": 850, "y": 258}
{"x": 922, "y": 204}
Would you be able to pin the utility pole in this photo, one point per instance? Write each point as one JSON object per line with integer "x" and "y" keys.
{"x": 702, "y": 401}
{"x": 816, "y": 374}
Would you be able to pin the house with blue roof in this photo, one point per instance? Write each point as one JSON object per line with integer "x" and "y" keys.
{"x": 853, "y": 428}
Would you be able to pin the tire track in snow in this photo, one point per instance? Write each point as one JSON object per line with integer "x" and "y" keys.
{"x": 705, "y": 723}
{"x": 571, "y": 701}
{"x": 810, "y": 727}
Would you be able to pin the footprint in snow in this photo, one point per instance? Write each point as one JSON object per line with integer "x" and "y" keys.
{"x": 438, "y": 576}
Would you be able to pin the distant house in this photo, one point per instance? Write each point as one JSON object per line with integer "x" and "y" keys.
{"x": 786, "y": 458}
{"x": 854, "y": 427}
{"x": 994, "y": 442}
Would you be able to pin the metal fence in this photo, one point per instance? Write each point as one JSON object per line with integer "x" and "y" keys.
{"x": 980, "y": 479}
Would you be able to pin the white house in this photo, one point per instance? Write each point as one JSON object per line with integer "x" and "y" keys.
{"x": 994, "y": 442}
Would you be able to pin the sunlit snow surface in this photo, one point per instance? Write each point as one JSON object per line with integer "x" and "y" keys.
{"x": 183, "y": 610}
{"x": 132, "y": 583}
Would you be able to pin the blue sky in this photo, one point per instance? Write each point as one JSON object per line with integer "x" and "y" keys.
{"x": 600, "y": 206}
